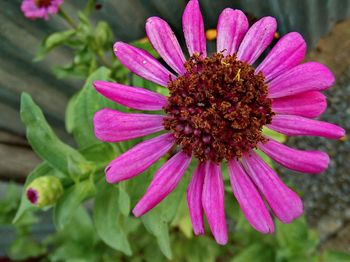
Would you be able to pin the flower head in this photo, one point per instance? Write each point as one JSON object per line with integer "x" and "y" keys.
{"x": 217, "y": 107}
{"x": 34, "y": 9}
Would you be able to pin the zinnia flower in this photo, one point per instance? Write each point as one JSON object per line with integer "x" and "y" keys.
{"x": 34, "y": 9}
{"x": 215, "y": 113}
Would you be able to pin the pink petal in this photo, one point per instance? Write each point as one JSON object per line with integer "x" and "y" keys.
{"x": 310, "y": 76}
{"x": 231, "y": 28}
{"x": 194, "y": 199}
{"x": 139, "y": 158}
{"x": 213, "y": 202}
{"x": 311, "y": 162}
{"x": 164, "y": 182}
{"x": 132, "y": 97}
{"x": 285, "y": 203}
{"x": 142, "y": 63}
{"x": 300, "y": 126}
{"x": 249, "y": 199}
{"x": 258, "y": 37}
{"x": 114, "y": 126}
{"x": 309, "y": 104}
{"x": 165, "y": 43}
{"x": 286, "y": 54}
{"x": 193, "y": 27}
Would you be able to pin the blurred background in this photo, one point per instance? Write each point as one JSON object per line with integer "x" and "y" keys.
{"x": 325, "y": 24}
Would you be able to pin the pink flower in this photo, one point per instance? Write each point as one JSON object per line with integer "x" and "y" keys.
{"x": 215, "y": 112}
{"x": 34, "y": 9}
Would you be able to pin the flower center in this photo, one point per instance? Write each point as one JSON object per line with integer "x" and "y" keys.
{"x": 217, "y": 109}
{"x": 42, "y": 3}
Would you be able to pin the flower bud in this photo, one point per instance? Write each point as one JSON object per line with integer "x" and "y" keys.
{"x": 44, "y": 191}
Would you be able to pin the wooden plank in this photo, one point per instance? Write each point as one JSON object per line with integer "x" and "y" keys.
{"x": 16, "y": 157}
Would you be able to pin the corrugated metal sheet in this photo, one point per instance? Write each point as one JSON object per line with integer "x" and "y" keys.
{"x": 21, "y": 37}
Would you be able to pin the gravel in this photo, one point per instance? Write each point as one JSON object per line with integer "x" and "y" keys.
{"x": 327, "y": 196}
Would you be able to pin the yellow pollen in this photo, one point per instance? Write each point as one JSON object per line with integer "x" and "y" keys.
{"x": 224, "y": 63}
{"x": 238, "y": 75}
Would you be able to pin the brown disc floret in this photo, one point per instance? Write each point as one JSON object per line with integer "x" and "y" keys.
{"x": 218, "y": 108}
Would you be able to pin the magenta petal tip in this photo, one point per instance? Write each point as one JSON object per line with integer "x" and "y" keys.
{"x": 300, "y": 126}
{"x": 310, "y": 76}
{"x": 341, "y": 132}
{"x": 117, "y": 45}
{"x": 138, "y": 158}
{"x": 249, "y": 199}
{"x": 285, "y": 203}
{"x": 163, "y": 183}
{"x": 312, "y": 162}
{"x": 165, "y": 43}
{"x": 213, "y": 202}
{"x": 136, "y": 212}
{"x": 142, "y": 63}
{"x": 194, "y": 199}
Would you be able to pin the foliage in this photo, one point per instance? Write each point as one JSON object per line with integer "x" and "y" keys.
{"x": 90, "y": 45}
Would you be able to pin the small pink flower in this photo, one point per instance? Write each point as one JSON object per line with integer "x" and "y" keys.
{"x": 215, "y": 112}
{"x": 34, "y": 9}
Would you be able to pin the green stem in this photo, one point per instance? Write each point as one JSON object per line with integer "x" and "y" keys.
{"x": 89, "y": 7}
{"x": 67, "y": 18}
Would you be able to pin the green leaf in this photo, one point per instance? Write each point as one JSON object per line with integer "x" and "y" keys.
{"x": 80, "y": 228}
{"x": 52, "y": 41}
{"x": 124, "y": 200}
{"x": 199, "y": 249}
{"x": 77, "y": 241}
{"x": 71, "y": 200}
{"x": 256, "y": 253}
{"x": 69, "y": 116}
{"x": 84, "y": 107}
{"x": 335, "y": 256}
{"x": 158, "y": 219}
{"x": 24, "y": 248}
{"x": 8, "y": 203}
{"x": 111, "y": 226}
{"x": 182, "y": 219}
{"x": 100, "y": 154}
{"x": 296, "y": 239}
{"x": 160, "y": 229}
{"x": 45, "y": 142}
{"x": 73, "y": 69}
